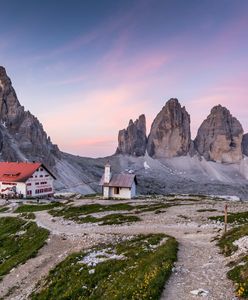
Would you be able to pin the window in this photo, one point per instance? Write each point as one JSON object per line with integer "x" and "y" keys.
{"x": 41, "y": 175}
{"x": 29, "y": 183}
{"x": 116, "y": 190}
{"x": 11, "y": 174}
{"x": 37, "y": 183}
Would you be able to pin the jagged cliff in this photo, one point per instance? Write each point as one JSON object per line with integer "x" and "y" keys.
{"x": 219, "y": 137}
{"x": 245, "y": 144}
{"x": 133, "y": 140}
{"x": 170, "y": 132}
{"x": 21, "y": 134}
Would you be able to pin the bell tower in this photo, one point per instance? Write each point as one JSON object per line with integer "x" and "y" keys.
{"x": 107, "y": 173}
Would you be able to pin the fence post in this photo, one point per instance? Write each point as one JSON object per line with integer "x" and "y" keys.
{"x": 225, "y": 217}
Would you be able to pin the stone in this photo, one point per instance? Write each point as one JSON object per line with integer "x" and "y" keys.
{"x": 245, "y": 144}
{"x": 200, "y": 292}
{"x": 219, "y": 137}
{"x": 22, "y": 135}
{"x": 133, "y": 140}
{"x": 170, "y": 132}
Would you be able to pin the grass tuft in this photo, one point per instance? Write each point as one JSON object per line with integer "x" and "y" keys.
{"x": 233, "y": 218}
{"x": 81, "y": 214}
{"x": 239, "y": 273}
{"x": 4, "y": 209}
{"x": 28, "y": 216}
{"x": 37, "y": 207}
{"x": 207, "y": 210}
{"x": 19, "y": 241}
{"x": 140, "y": 274}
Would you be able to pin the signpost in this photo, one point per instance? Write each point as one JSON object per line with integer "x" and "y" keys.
{"x": 225, "y": 218}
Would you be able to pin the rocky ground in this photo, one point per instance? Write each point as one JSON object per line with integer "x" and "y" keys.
{"x": 200, "y": 269}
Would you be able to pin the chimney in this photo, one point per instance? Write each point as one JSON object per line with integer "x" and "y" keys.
{"x": 107, "y": 173}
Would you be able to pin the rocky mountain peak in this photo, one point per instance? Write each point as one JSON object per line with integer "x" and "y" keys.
{"x": 133, "y": 140}
{"x": 9, "y": 104}
{"x": 245, "y": 144}
{"x": 219, "y": 137}
{"x": 170, "y": 132}
{"x": 22, "y": 135}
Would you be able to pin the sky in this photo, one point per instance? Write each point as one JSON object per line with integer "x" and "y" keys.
{"x": 85, "y": 68}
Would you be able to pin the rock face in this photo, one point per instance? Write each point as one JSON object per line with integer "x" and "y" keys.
{"x": 133, "y": 140}
{"x": 21, "y": 134}
{"x": 219, "y": 137}
{"x": 245, "y": 144}
{"x": 170, "y": 132}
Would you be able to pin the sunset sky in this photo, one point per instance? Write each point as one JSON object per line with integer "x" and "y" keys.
{"x": 84, "y": 68}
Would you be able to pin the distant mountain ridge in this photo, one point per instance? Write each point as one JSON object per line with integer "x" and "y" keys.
{"x": 167, "y": 161}
{"x": 220, "y": 137}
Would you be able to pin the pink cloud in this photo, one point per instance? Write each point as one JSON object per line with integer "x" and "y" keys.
{"x": 96, "y": 142}
{"x": 88, "y": 117}
{"x": 116, "y": 65}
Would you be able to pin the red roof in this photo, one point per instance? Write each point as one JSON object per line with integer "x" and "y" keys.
{"x": 18, "y": 171}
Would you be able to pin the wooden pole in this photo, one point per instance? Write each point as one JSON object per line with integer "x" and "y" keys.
{"x": 225, "y": 211}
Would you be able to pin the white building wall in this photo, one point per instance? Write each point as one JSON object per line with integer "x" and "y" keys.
{"x": 40, "y": 184}
{"x": 106, "y": 192}
{"x": 124, "y": 193}
{"x": 19, "y": 187}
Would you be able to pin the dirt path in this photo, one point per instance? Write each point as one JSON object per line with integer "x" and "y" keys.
{"x": 19, "y": 283}
{"x": 199, "y": 266}
{"x": 199, "y": 263}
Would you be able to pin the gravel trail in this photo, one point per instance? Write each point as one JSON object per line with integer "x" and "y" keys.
{"x": 199, "y": 265}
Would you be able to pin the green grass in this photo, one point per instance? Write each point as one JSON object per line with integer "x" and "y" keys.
{"x": 236, "y": 218}
{"x": 239, "y": 273}
{"x": 81, "y": 214}
{"x": 3, "y": 209}
{"x": 140, "y": 274}
{"x": 19, "y": 241}
{"x": 37, "y": 207}
{"x": 206, "y": 210}
{"x": 152, "y": 207}
{"x": 74, "y": 211}
{"x": 29, "y": 216}
{"x": 109, "y": 219}
{"x": 226, "y": 241}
